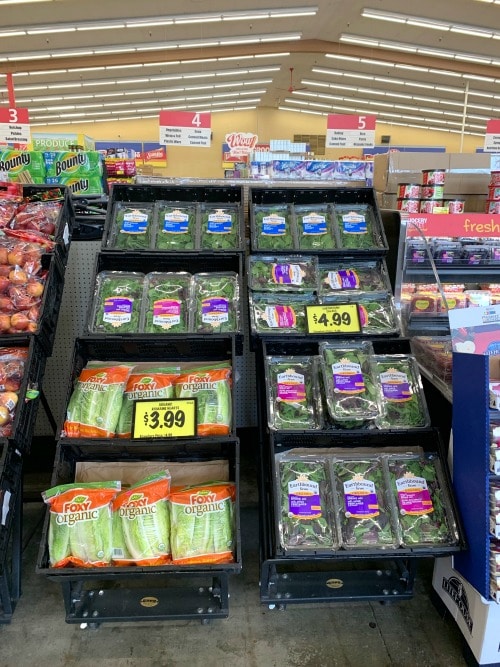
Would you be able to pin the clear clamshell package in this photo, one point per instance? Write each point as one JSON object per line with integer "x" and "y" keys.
{"x": 293, "y": 394}
{"x": 167, "y": 302}
{"x": 131, "y": 227}
{"x": 272, "y": 313}
{"x": 358, "y": 227}
{"x": 402, "y": 399}
{"x": 117, "y": 302}
{"x": 351, "y": 394}
{"x": 364, "y": 513}
{"x": 347, "y": 277}
{"x": 304, "y": 499}
{"x": 314, "y": 227}
{"x": 219, "y": 227}
{"x": 423, "y": 506}
{"x": 273, "y": 227}
{"x": 175, "y": 226}
{"x": 216, "y": 302}
{"x": 286, "y": 273}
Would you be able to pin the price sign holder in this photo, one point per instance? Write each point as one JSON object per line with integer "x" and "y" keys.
{"x": 164, "y": 418}
{"x": 339, "y": 318}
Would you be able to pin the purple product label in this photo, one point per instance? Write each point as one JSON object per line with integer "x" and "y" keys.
{"x": 395, "y": 386}
{"x": 349, "y": 383}
{"x": 166, "y": 313}
{"x": 361, "y": 506}
{"x": 281, "y": 274}
{"x": 413, "y": 495}
{"x": 280, "y": 317}
{"x": 496, "y": 254}
{"x": 291, "y": 393}
{"x": 418, "y": 256}
{"x": 304, "y": 501}
{"x": 118, "y": 310}
{"x": 214, "y": 310}
{"x": 343, "y": 279}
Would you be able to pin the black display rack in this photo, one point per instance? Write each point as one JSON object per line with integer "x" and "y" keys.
{"x": 10, "y": 530}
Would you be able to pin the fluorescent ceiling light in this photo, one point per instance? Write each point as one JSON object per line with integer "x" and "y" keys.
{"x": 432, "y": 24}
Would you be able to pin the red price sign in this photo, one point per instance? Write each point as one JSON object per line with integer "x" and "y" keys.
{"x": 185, "y": 128}
{"x": 492, "y": 136}
{"x": 349, "y": 131}
{"x": 14, "y": 126}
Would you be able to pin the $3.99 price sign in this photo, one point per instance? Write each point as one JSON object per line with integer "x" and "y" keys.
{"x": 164, "y": 418}
{"x": 338, "y": 318}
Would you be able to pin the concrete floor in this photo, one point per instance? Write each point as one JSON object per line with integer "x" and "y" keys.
{"x": 404, "y": 634}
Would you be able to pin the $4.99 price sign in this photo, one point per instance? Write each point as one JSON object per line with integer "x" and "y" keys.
{"x": 338, "y": 318}
{"x": 164, "y": 418}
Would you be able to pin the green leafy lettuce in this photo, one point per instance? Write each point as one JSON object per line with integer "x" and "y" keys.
{"x": 131, "y": 229}
{"x": 314, "y": 227}
{"x": 176, "y": 226}
{"x": 219, "y": 227}
{"x": 117, "y": 303}
{"x": 272, "y": 227}
{"x": 357, "y": 227}
{"x": 216, "y": 302}
{"x": 167, "y": 302}
{"x": 295, "y": 273}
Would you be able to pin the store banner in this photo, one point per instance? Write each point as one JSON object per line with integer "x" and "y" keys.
{"x": 185, "y": 128}
{"x": 492, "y": 136}
{"x": 461, "y": 225}
{"x": 238, "y": 146}
{"x": 349, "y": 131}
{"x": 15, "y": 126}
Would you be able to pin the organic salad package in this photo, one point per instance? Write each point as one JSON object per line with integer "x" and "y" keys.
{"x": 335, "y": 499}
{"x": 101, "y": 403}
{"x": 165, "y": 303}
{"x": 101, "y": 524}
{"x": 174, "y": 226}
{"x": 346, "y": 386}
{"x": 315, "y": 227}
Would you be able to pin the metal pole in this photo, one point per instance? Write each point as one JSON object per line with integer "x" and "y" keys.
{"x": 464, "y": 116}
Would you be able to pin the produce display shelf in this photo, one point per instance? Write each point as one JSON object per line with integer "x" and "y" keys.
{"x": 10, "y": 530}
{"x": 153, "y": 261}
{"x": 438, "y": 382}
{"x": 140, "y": 593}
{"x": 262, "y": 195}
{"x": 181, "y": 194}
{"x": 90, "y": 217}
{"x": 148, "y": 349}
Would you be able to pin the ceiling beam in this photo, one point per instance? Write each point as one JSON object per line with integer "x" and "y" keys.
{"x": 307, "y": 46}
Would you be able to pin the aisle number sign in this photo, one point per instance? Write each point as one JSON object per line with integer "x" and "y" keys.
{"x": 185, "y": 128}
{"x": 492, "y": 137}
{"x": 338, "y": 318}
{"x": 14, "y": 126}
{"x": 349, "y": 131}
{"x": 164, "y": 418}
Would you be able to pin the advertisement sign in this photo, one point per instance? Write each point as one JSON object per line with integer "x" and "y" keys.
{"x": 154, "y": 154}
{"x": 472, "y": 225}
{"x": 15, "y": 126}
{"x": 492, "y": 137}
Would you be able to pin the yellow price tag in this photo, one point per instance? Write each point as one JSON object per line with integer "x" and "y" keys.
{"x": 164, "y": 418}
{"x": 338, "y": 318}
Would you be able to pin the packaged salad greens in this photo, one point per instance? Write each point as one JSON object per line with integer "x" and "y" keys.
{"x": 287, "y": 273}
{"x": 167, "y": 301}
{"x": 377, "y": 314}
{"x": 131, "y": 226}
{"x": 175, "y": 226}
{"x": 364, "y": 513}
{"x": 424, "y": 512}
{"x": 220, "y": 227}
{"x": 216, "y": 302}
{"x": 402, "y": 401}
{"x": 351, "y": 276}
{"x": 358, "y": 228}
{"x": 293, "y": 393}
{"x": 117, "y": 302}
{"x": 315, "y": 230}
{"x": 351, "y": 393}
{"x": 272, "y": 227}
{"x": 273, "y": 313}
{"x": 304, "y": 498}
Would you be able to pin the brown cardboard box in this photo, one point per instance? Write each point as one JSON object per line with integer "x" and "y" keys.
{"x": 466, "y": 173}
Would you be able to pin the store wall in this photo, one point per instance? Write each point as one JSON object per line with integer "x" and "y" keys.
{"x": 267, "y": 123}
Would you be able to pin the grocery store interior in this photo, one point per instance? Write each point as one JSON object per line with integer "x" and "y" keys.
{"x": 275, "y": 226}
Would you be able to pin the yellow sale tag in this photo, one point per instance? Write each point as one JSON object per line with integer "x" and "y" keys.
{"x": 164, "y": 418}
{"x": 339, "y": 318}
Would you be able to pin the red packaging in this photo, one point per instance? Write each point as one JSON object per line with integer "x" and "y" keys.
{"x": 433, "y": 176}
{"x": 455, "y": 205}
{"x": 427, "y": 205}
{"x": 409, "y": 205}
{"x": 493, "y": 207}
{"x": 408, "y": 191}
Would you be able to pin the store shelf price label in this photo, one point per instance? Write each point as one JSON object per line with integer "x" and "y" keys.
{"x": 15, "y": 126}
{"x": 492, "y": 136}
{"x": 185, "y": 128}
{"x": 339, "y": 318}
{"x": 350, "y": 131}
{"x": 164, "y": 418}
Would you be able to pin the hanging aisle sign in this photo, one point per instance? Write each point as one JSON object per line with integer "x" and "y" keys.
{"x": 492, "y": 137}
{"x": 15, "y": 126}
{"x": 348, "y": 131}
{"x": 185, "y": 128}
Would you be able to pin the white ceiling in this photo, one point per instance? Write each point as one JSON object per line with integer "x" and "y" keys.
{"x": 75, "y": 62}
